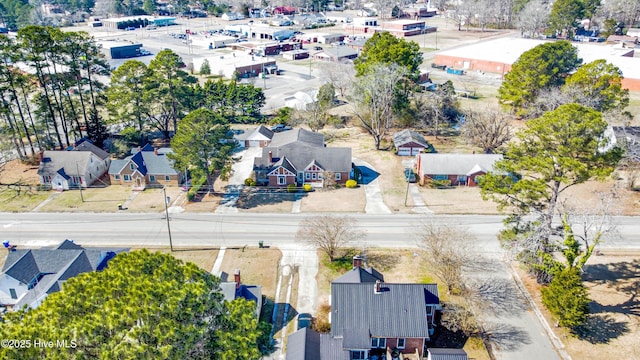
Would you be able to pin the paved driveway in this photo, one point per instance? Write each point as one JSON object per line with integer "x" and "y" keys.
{"x": 372, "y": 192}
{"x": 241, "y": 170}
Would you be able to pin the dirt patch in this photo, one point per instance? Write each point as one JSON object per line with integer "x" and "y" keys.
{"x": 459, "y": 200}
{"x": 334, "y": 200}
{"x": 267, "y": 201}
{"x": 613, "y": 328}
{"x": 152, "y": 200}
{"x": 204, "y": 258}
{"x": 257, "y": 266}
{"x": 17, "y": 172}
{"x": 206, "y": 203}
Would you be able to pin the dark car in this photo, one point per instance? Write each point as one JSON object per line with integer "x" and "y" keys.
{"x": 280, "y": 128}
{"x": 409, "y": 175}
{"x": 304, "y": 320}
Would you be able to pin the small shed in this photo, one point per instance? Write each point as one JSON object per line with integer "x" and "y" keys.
{"x": 409, "y": 143}
{"x": 446, "y": 354}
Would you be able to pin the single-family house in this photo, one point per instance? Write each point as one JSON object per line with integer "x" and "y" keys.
{"x": 79, "y": 166}
{"x": 446, "y": 354}
{"x": 372, "y": 319}
{"x": 147, "y": 167}
{"x": 300, "y": 157}
{"x": 236, "y": 289}
{"x": 455, "y": 169}
{"x": 30, "y": 275}
{"x": 409, "y": 143}
{"x": 258, "y": 137}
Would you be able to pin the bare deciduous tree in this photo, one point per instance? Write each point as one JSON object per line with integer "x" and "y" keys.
{"x": 374, "y": 96}
{"x": 487, "y": 129}
{"x": 445, "y": 251}
{"x": 532, "y": 19}
{"x": 329, "y": 233}
{"x": 341, "y": 75}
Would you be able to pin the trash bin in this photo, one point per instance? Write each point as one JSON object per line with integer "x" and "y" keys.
{"x": 260, "y": 244}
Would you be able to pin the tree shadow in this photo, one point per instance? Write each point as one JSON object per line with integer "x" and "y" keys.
{"x": 506, "y": 337}
{"x": 624, "y": 278}
{"x": 601, "y": 329}
{"x": 497, "y": 297}
{"x": 259, "y": 197}
{"x": 382, "y": 261}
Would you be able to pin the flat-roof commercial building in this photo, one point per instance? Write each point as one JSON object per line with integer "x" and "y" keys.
{"x": 227, "y": 65}
{"x": 122, "y": 22}
{"x": 497, "y": 56}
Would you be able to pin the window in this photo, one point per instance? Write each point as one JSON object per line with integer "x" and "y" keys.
{"x": 282, "y": 180}
{"x": 13, "y": 293}
{"x": 401, "y": 343}
{"x": 167, "y": 177}
{"x": 320, "y": 176}
{"x": 117, "y": 177}
{"x": 357, "y": 355}
{"x": 307, "y": 176}
{"x": 338, "y": 176}
{"x": 378, "y": 343}
{"x": 313, "y": 176}
{"x": 127, "y": 177}
{"x": 132, "y": 167}
{"x": 429, "y": 310}
{"x": 462, "y": 178}
{"x": 440, "y": 177}
{"x": 152, "y": 178}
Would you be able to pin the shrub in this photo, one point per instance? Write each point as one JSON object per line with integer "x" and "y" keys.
{"x": 351, "y": 184}
{"x": 440, "y": 183}
{"x": 306, "y": 187}
{"x": 292, "y": 188}
{"x": 249, "y": 182}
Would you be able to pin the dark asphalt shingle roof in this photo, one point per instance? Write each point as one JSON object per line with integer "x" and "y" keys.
{"x": 147, "y": 162}
{"x": 397, "y": 311}
{"x": 304, "y": 344}
{"x": 332, "y": 349}
{"x": 406, "y": 136}
{"x": 71, "y": 161}
{"x": 297, "y": 136}
{"x": 301, "y": 155}
{"x": 356, "y": 338}
{"x": 88, "y": 146}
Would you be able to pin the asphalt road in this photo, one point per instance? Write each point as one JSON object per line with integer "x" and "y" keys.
{"x": 514, "y": 328}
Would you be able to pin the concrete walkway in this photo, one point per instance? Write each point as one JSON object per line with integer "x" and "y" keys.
{"x": 241, "y": 170}
{"x": 216, "y": 265}
{"x": 373, "y": 195}
{"x": 419, "y": 207}
{"x": 46, "y": 201}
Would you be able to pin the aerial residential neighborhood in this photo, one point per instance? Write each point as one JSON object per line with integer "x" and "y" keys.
{"x": 444, "y": 180}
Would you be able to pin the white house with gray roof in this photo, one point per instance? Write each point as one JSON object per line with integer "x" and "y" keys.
{"x": 30, "y": 275}
{"x": 258, "y": 137}
{"x": 78, "y": 166}
{"x": 456, "y": 169}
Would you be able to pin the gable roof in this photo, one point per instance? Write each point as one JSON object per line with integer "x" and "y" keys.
{"x": 303, "y": 344}
{"x": 456, "y": 164}
{"x": 406, "y": 136}
{"x": 298, "y": 135}
{"x": 71, "y": 162}
{"x": 300, "y": 155}
{"x": 446, "y": 354}
{"x": 147, "y": 162}
{"x": 87, "y": 145}
{"x": 359, "y": 275}
{"x": 332, "y": 349}
{"x": 259, "y": 133}
{"x": 44, "y": 269}
{"x": 399, "y": 310}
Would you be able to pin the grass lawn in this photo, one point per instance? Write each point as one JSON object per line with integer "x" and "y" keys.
{"x": 10, "y": 201}
{"x": 257, "y": 267}
{"x": 204, "y": 258}
{"x": 95, "y": 200}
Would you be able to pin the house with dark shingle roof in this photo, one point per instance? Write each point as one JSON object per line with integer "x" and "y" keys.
{"x": 30, "y": 275}
{"x": 146, "y": 167}
{"x": 232, "y": 290}
{"x": 457, "y": 169}
{"x": 408, "y": 143}
{"x": 300, "y": 157}
{"x": 80, "y": 165}
{"x": 371, "y": 318}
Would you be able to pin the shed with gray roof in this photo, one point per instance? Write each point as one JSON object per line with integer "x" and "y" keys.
{"x": 408, "y": 143}
{"x": 446, "y": 354}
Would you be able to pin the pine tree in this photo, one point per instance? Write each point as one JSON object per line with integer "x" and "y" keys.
{"x": 566, "y": 298}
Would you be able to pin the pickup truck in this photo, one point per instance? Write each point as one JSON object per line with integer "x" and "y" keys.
{"x": 280, "y": 128}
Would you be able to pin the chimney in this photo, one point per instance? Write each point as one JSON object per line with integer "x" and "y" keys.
{"x": 236, "y": 278}
{"x": 270, "y": 157}
{"x": 377, "y": 288}
{"x": 357, "y": 261}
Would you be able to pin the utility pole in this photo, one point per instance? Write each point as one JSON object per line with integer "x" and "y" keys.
{"x": 80, "y": 182}
{"x": 166, "y": 213}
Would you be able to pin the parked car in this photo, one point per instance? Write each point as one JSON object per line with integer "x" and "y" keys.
{"x": 304, "y": 320}
{"x": 409, "y": 175}
{"x": 280, "y": 128}
{"x": 317, "y": 48}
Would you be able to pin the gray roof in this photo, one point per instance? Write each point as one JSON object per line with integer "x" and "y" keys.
{"x": 88, "y": 146}
{"x": 340, "y": 52}
{"x": 406, "y": 136}
{"x": 147, "y": 162}
{"x": 73, "y": 163}
{"x": 356, "y": 338}
{"x": 297, "y": 136}
{"x": 399, "y": 310}
{"x": 303, "y": 344}
{"x": 457, "y": 164}
{"x": 447, "y": 354}
{"x": 301, "y": 155}
{"x": 332, "y": 349}
{"x": 360, "y": 275}
{"x": 46, "y": 268}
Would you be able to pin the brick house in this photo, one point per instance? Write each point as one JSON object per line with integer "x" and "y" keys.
{"x": 457, "y": 169}
{"x": 146, "y": 167}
